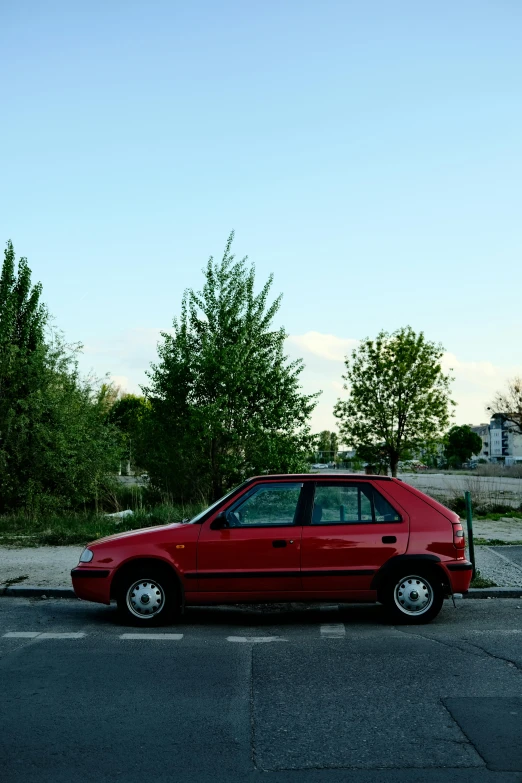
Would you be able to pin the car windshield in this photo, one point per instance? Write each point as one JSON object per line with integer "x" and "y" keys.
{"x": 214, "y": 505}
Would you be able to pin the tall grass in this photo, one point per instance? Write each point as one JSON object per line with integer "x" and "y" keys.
{"x": 80, "y": 527}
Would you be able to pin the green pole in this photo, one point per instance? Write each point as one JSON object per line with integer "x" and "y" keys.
{"x": 469, "y": 518}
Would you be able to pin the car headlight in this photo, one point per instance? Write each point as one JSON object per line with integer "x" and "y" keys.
{"x": 86, "y": 556}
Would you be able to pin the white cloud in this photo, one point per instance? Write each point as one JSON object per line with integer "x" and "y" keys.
{"x": 475, "y": 384}
{"x": 129, "y": 354}
{"x": 326, "y": 346}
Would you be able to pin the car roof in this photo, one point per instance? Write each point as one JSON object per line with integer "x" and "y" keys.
{"x": 314, "y": 476}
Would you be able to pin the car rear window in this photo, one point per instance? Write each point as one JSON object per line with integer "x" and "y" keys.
{"x": 345, "y": 504}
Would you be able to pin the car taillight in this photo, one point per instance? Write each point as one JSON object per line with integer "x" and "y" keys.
{"x": 459, "y": 537}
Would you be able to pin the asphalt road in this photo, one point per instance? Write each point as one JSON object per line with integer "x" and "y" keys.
{"x": 291, "y": 695}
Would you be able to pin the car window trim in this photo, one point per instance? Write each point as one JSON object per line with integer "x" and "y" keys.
{"x": 357, "y": 484}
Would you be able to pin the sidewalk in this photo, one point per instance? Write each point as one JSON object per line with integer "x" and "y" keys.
{"x": 44, "y": 566}
{"x": 507, "y": 529}
{"x": 50, "y": 566}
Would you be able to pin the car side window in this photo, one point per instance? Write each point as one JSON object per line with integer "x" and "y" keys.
{"x": 267, "y": 505}
{"x": 345, "y": 504}
{"x": 383, "y": 511}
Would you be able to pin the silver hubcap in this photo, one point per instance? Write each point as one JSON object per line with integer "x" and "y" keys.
{"x": 145, "y": 599}
{"x": 413, "y": 595}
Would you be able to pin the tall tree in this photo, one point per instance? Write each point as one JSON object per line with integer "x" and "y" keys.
{"x": 55, "y": 450}
{"x": 461, "y": 443}
{"x": 225, "y": 400}
{"x": 398, "y": 394}
{"x": 509, "y": 404}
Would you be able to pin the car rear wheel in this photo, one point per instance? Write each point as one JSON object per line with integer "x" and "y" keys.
{"x": 147, "y": 597}
{"x": 413, "y": 598}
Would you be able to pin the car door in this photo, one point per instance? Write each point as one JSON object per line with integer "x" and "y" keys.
{"x": 353, "y": 530}
{"x": 259, "y": 549}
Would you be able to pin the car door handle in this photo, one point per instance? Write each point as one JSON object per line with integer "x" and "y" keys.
{"x": 278, "y": 543}
{"x": 389, "y": 539}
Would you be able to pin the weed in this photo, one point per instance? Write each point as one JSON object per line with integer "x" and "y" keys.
{"x": 482, "y": 581}
{"x": 80, "y": 528}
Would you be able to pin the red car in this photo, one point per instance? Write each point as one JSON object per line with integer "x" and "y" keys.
{"x": 287, "y": 538}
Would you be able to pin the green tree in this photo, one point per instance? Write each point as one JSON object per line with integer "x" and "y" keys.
{"x": 225, "y": 402}
{"x": 326, "y": 446}
{"x": 398, "y": 394}
{"x": 128, "y": 414}
{"x": 375, "y": 456}
{"x": 460, "y": 444}
{"x": 55, "y": 450}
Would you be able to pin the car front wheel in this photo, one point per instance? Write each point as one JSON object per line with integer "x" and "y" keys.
{"x": 147, "y": 597}
{"x": 414, "y": 598}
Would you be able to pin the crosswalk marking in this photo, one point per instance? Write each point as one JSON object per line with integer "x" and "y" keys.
{"x": 255, "y": 639}
{"x": 327, "y": 631}
{"x": 502, "y": 630}
{"x": 40, "y": 635}
{"x": 173, "y": 637}
{"x": 333, "y": 631}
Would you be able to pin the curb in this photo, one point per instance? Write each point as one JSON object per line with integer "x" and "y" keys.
{"x": 16, "y": 591}
{"x": 493, "y": 592}
{"x": 37, "y": 592}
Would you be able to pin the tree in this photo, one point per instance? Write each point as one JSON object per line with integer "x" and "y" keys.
{"x": 461, "y": 443}
{"x": 509, "y": 405}
{"x": 326, "y": 446}
{"x": 55, "y": 450}
{"x": 399, "y": 395}
{"x": 128, "y": 414}
{"x": 225, "y": 402}
{"x": 375, "y": 455}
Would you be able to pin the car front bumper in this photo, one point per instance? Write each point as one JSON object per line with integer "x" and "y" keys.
{"x": 92, "y": 584}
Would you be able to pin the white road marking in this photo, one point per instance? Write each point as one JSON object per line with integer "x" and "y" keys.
{"x": 255, "y": 639}
{"x": 173, "y": 637}
{"x": 495, "y": 631}
{"x": 333, "y": 631}
{"x": 40, "y": 635}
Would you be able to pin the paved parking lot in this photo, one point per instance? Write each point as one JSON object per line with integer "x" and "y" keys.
{"x": 287, "y": 694}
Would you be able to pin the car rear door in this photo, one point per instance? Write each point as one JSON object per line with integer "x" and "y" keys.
{"x": 354, "y": 529}
{"x": 260, "y": 549}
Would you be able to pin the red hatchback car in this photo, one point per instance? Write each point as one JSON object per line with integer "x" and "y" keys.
{"x": 347, "y": 538}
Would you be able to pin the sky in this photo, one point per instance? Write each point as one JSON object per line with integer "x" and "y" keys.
{"x": 368, "y": 154}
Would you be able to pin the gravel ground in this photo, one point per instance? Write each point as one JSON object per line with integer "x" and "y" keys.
{"x": 494, "y": 563}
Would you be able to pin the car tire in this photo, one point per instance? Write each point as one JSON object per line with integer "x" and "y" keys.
{"x": 147, "y": 597}
{"x": 413, "y": 597}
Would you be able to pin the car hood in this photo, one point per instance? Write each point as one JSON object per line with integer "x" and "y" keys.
{"x": 139, "y": 532}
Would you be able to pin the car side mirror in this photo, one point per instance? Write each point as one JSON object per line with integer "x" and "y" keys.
{"x": 220, "y": 522}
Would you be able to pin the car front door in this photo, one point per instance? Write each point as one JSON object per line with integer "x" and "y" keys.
{"x": 259, "y": 547}
{"x": 353, "y": 530}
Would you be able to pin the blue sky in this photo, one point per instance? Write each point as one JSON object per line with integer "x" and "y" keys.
{"x": 369, "y": 154}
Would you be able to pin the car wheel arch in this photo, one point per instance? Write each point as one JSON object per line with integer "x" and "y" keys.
{"x": 424, "y": 563}
{"x": 154, "y": 562}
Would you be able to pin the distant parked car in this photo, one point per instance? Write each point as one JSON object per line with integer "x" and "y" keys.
{"x": 299, "y": 537}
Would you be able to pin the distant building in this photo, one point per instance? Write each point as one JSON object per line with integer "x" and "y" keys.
{"x": 500, "y": 443}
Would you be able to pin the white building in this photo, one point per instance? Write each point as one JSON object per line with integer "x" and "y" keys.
{"x": 499, "y": 441}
